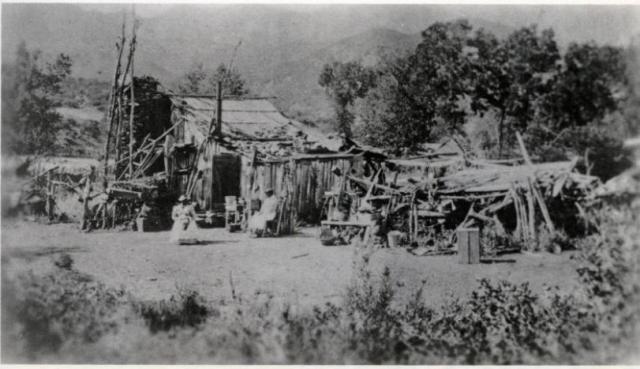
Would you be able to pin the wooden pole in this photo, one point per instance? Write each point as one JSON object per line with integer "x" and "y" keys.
{"x": 133, "y": 101}
{"x": 118, "y": 128}
{"x": 219, "y": 110}
{"x": 532, "y": 216}
{"x": 523, "y": 149}
{"x": 543, "y": 207}
{"x": 216, "y": 124}
{"x": 85, "y": 200}
{"x": 112, "y": 97}
{"x": 120, "y": 107}
{"x": 49, "y": 196}
{"x": 150, "y": 144}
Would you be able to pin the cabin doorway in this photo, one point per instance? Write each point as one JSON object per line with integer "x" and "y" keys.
{"x": 219, "y": 176}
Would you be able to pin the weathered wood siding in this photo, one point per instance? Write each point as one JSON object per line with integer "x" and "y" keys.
{"x": 309, "y": 179}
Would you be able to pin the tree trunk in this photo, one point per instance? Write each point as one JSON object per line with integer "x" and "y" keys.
{"x": 345, "y": 119}
{"x": 501, "y": 133}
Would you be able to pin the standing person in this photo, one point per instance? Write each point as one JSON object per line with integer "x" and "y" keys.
{"x": 268, "y": 212}
{"x": 184, "y": 218}
{"x": 100, "y": 212}
{"x": 87, "y": 183}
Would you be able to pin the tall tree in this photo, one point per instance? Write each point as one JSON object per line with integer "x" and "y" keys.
{"x": 344, "y": 83}
{"x": 29, "y": 118}
{"x": 509, "y": 75}
{"x": 194, "y": 80}
{"x": 200, "y": 81}
{"x": 631, "y": 107}
{"x": 421, "y": 93}
{"x": 585, "y": 86}
{"x": 232, "y": 82}
{"x": 387, "y": 116}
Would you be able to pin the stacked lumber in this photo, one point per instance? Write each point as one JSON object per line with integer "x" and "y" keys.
{"x": 432, "y": 196}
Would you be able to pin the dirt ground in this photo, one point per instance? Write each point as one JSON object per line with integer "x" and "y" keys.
{"x": 297, "y": 269}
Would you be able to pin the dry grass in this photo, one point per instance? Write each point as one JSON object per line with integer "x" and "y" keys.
{"x": 65, "y": 316}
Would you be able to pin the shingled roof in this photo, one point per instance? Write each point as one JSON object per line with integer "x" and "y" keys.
{"x": 245, "y": 119}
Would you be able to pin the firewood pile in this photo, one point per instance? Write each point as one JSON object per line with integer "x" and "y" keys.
{"x": 129, "y": 201}
{"x": 517, "y": 205}
{"x": 80, "y": 195}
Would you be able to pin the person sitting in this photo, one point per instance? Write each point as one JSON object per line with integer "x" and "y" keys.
{"x": 268, "y": 212}
{"x": 184, "y": 219}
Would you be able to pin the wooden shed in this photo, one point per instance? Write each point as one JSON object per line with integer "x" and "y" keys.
{"x": 257, "y": 148}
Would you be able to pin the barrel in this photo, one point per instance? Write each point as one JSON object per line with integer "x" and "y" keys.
{"x": 393, "y": 238}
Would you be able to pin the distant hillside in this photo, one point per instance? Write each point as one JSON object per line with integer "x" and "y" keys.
{"x": 282, "y": 47}
{"x": 295, "y": 83}
{"x": 82, "y": 133}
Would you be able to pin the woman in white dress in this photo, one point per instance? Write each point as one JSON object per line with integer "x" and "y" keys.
{"x": 184, "y": 222}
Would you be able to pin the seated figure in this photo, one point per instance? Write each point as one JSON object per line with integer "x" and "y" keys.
{"x": 268, "y": 212}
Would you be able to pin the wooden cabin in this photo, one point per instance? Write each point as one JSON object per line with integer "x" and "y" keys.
{"x": 256, "y": 147}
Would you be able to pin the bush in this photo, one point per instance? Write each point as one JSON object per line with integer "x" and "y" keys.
{"x": 186, "y": 310}
{"x": 610, "y": 273}
{"x": 60, "y": 308}
{"x": 603, "y": 149}
{"x": 500, "y": 323}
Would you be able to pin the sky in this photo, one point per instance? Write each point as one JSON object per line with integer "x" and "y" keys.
{"x": 610, "y": 23}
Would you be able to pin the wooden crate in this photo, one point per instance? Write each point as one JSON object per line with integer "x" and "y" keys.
{"x": 468, "y": 245}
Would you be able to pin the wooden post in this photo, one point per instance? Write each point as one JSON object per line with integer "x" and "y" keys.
{"x": 49, "y": 199}
{"x": 133, "y": 101}
{"x": 468, "y": 245}
{"x": 85, "y": 201}
{"x": 543, "y": 207}
{"x": 118, "y": 130}
{"x": 532, "y": 216}
{"x": 523, "y": 149}
{"x": 218, "y": 123}
{"x": 112, "y": 97}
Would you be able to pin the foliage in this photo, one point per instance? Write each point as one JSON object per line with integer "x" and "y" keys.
{"x": 78, "y": 92}
{"x": 344, "y": 83}
{"x": 584, "y": 87}
{"x": 232, "y": 82}
{"x": 194, "y": 79}
{"x": 188, "y": 309}
{"x": 508, "y": 74}
{"x": 67, "y": 314}
{"x": 498, "y": 86}
{"x": 631, "y": 105}
{"x": 29, "y": 120}
{"x": 610, "y": 271}
{"x": 600, "y": 151}
{"x": 198, "y": 80}
{"x": 422, "y": 94}
{"x": 385, "y": 118}
{"x": 63, "y": 308}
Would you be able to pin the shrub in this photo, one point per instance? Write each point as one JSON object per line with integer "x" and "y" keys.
{"x": 500, "y": 323}
{"x": 188, "y": 309}
{"x": 610, "y": 273}
{"x": 603, "y": 149}
{"x": 60, "y": 308}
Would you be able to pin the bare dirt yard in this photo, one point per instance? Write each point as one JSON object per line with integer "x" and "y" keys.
{"x": 296, "y": 269}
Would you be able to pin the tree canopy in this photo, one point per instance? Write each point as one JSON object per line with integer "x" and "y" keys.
{"x": 508, "y": 75}
{"x": 29, "y": 119}
{"x": 422, "y": 93}
{"x": 583, "y": 88}
{"x": 199, "y": 80}
{"x": 344, "y": 83}
{"x": 454, "y": 75}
